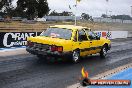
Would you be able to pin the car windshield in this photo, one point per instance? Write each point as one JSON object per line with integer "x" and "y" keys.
{"x": 57, "y": 33}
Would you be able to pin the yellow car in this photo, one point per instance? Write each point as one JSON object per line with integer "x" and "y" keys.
{"x": 68, "y": 40}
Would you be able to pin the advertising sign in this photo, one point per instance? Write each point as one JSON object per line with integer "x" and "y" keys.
{"x": 112, "y": 34}
{"x": 15, "y": 39}
{"x": 106, "y": 34}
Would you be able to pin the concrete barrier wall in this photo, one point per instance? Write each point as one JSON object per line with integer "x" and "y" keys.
{"x": 119, "y": 34}
{"x": 109, "y": 20}
{"x": 129, "y": 34}
{"x": 60, "y": 18}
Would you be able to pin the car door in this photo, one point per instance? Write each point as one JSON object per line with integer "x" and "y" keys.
{"x": 84, "y": 43}
{"x": 95, "y": 43}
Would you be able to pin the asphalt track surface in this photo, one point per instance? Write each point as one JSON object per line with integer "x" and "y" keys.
{"x": 19, "y": 69}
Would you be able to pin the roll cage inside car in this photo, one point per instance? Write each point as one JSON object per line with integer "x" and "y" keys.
{"x": 84, "y": 35}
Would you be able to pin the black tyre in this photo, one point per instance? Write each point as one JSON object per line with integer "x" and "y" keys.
{"x": 76, "y": 56}
{"x": 103, "y": 52}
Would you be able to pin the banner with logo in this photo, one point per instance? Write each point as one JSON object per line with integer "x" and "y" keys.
{"x": 105, "y": 34}
{"x": 15, "y": 39}
{"x": 112, "y": 34}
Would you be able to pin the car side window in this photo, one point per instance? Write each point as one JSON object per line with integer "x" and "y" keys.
{"x": 82, "y": 35}
{"x": 91, "y": 35}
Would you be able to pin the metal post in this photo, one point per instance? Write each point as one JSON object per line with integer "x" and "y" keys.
{"x": 107, "y": 7}
{"x": 76, "y": 13}
{"x": 106, "y": 12}
{"x": 110, "y": 13}
{"x": 131, "y": 11}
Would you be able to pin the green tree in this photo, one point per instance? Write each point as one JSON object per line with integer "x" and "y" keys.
{"x": 54, "y": 13}
{"x": 123, "y": 17}
{"x": 64, "y": 13}
{"x": 32, "y": 8}
{"x": 85, "y": 16}
{"x": 6, "y": 6}
{"x": 104, "y": 16}
{"x": 4, "y": 3}
{"x": 42, "y": 8}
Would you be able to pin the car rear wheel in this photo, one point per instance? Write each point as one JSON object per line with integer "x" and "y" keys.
{"x": 75, "y": 56}
{"x": 103, "y": 52}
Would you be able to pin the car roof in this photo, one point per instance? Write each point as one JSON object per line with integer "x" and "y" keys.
{"x": 73, "y": 27}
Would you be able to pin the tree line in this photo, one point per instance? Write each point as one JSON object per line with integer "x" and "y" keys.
{"x": 24, "y": 8}
{"x": 122, "y": 17}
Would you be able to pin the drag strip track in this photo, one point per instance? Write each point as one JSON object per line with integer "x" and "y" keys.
{"x": 18, "y": 69}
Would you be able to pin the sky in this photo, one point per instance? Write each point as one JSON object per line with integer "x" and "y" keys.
{"x": 94, "y": 8}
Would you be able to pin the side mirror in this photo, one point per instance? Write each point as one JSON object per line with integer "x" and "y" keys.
{"x": 97, "y": 37}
